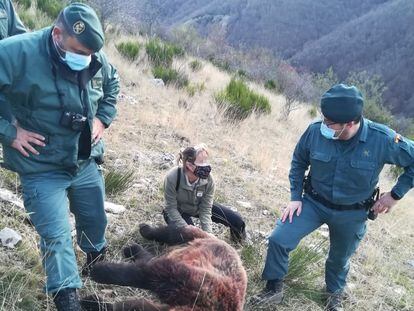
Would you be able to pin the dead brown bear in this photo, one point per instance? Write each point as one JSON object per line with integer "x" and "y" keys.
{"x": 203, "y": 274}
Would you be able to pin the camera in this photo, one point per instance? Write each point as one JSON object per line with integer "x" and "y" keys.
{"x": 73, "y": 120}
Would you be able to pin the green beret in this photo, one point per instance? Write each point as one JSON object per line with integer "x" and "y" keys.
{"x": 82, "y": 23}
{"x": 342, "y": 103}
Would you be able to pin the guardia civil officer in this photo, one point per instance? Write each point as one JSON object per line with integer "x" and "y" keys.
{"x": 189, "y": 192}
{"x": 10, "y": 23}
{"x": 62, "y": 92}
{"x": 346, "y": 154}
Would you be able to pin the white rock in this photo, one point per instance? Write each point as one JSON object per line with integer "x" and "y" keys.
{"x": 244, "y": 204}
{"x": 10, "y": 197}
{"x": 410, "y": 263}
{"x": 157, "y": 82}
{"x": 9, "y": 237}
{"x": 265, "y": 212}
{"x": 114, "y": 208}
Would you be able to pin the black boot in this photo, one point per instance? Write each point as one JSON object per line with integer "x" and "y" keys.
{"x": 67, "y": 299}
{"x": 91, "y": 259}
{"x": 334, "y": 302}
{"x": 271, "y": 295}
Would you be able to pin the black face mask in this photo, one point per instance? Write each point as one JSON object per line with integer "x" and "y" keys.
{"x": 202, "y": 171}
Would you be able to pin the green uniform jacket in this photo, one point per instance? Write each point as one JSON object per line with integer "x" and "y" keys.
{"x": 195, "y": 200}
{"x": 346, "y": 172}
{"x": 39, "y": 88}
{"x": 10, "y": 23}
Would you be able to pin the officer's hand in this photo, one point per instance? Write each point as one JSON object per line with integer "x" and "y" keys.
{"x": 98, "y": 130}
{"x": 290, "y": 210}
{"x": 384, "y": 203}
{"x": 24, "y": 141}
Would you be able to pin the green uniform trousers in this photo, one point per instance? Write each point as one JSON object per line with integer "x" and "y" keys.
{"x": 46, "y": 200}
{"x": 346, "y": 229}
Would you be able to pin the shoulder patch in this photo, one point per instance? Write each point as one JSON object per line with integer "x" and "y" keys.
{"x": 3, "y": 13}
{"x": 397, "y": 138}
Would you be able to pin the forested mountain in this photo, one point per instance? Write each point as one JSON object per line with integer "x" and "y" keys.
{"x": 354, "y": 35}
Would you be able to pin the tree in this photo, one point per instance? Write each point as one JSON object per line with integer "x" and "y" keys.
{"x": 295, "y": 88}
{"x": 372, "y": 88}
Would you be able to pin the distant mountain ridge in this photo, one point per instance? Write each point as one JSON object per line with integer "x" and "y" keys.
{"x": 354, "y": 35}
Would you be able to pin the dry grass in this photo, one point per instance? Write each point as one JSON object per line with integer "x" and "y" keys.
{"x": 251, "y": 161}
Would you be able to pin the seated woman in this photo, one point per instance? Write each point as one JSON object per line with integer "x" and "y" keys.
{"x": 189, "y": 192}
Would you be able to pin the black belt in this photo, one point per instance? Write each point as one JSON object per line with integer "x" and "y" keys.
{"x": 340, "y": 207}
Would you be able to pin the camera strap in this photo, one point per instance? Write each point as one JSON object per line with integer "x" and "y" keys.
{"x": 59, "y": 92}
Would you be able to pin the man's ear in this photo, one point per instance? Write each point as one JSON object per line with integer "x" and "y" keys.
{"x": 57, "y": 33}
{"x": 350, "y": 124}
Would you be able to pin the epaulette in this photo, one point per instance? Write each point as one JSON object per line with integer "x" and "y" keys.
{"x": 382, "y": 128}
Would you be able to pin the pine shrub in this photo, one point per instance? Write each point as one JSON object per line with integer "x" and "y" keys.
{"x": 239, "y": 101}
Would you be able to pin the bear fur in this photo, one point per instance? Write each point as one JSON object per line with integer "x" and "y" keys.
{"x": 204, "y": 273}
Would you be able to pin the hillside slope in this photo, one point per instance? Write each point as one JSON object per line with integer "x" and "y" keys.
{"x": 379, "y": 42}
{"x": 372, "y": 35}
{"x": 250, "y": 162}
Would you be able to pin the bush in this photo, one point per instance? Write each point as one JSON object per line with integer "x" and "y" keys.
{"x": 51, "y": 7}
{"x": 129, "y": 50}
{"x": 28, "y": 19}
{"x": 372, "y": 88}
{"x": 313, "y": 111}
{"x": 242, "y": 74}
{"x": 170, "y": 76}
{"x": 192, "y": 89}
{"x": 25, "y": 4}
{"x": 118, "y": 181}
{"x": 270, "y": 85}
{"x": 221, "y": 64}
{"x": 162, "y": 54}
{"x": 239, "y": 101}
{"x": 196, "y": 65}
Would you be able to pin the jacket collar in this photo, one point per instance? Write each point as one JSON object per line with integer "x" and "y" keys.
{"x": 364, "y": 131}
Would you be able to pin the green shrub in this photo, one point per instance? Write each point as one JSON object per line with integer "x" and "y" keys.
{"x": 221, "y": 64}
{"x": 29, "y": 21}
{"x": 196, "y": 65}
{"x": 270, "y": 85}
{"x": 239, "y": 101}
{"x": 170, "y": 76}
{"x": 313, "y": 111}
{"x": 25, "y": 4}
{"x": 395, "y": 172}
{"x": 51, "y": 7}
{"x": 192, "y": 89}
{"x": 242, "y": 74}
{"x": 305, "y": 269}
{"x": 117, "y": 181}
{"x": 9, "y": 180}
{"x": 303, "y": 262}
{"x": 129, "y": 50}
{"x": 161, "y": 53}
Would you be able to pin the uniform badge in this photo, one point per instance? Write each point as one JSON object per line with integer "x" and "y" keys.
{"x": 366, "y": 153}
{"x": 96, "y": 83}
{"x": 199, "y": 194}
{"x": 78, "y": 27}
{"x": 397, "y": 138}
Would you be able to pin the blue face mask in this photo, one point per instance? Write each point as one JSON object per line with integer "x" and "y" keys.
{"x": 329, "y": 133}
{"x": 76, "y": 62}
